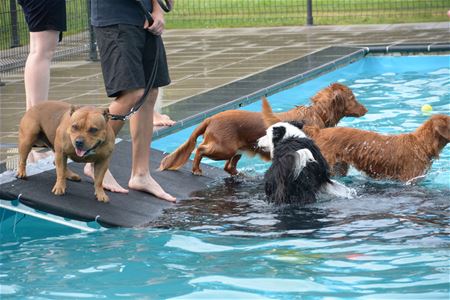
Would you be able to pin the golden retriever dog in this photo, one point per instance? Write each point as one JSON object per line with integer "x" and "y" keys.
{"x": 82, "y": 134}
{"x": 228, "y": 134}
{"x": 400, "y": 157}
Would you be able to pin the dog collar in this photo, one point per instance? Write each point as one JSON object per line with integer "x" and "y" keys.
{"x": 92, "y": 149}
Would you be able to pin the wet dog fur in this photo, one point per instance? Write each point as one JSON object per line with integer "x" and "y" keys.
{"x": 82, "y": 134}
{"x": 229, "y": 134}
{"x": 401, "y": 157}
{"x": 298, "y": 171}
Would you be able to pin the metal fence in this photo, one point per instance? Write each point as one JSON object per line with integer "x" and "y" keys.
{"x": 14, "y": 36}
{"x": 217, "y": 13}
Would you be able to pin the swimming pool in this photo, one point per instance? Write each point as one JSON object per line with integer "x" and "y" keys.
{"x": 227, "y": 243}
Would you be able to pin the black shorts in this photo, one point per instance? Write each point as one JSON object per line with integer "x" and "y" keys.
{"x": 127, "y": 55}
{"x": 42, "y": 15}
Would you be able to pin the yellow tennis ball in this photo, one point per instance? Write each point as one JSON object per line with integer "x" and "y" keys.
{"x": 426, "y": 108}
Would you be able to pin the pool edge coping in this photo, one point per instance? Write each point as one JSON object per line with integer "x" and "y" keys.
{"x": 360, "y": 52}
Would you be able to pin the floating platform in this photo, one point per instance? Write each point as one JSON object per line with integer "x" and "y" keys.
{"x": 33, "y": 196}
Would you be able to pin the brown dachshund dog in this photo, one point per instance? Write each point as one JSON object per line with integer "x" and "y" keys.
{"x": 400, "y": 157}
{"x": 82, "y": 134}
{"x": 230, "y": 133}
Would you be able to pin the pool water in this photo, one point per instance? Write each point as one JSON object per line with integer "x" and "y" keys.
{"x": 390, "y": 242}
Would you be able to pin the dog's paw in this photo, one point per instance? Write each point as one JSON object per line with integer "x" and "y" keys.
{"x": 102, "y": 197}
{"x": 59, "y": 190}
{"x": 21, "y": 175}
{"x": 197, "y": 172}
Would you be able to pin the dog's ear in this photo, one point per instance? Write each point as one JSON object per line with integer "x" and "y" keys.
{"x": 106, "y": 114}
{"x": 278, "y": 133}
{"x": 338, "y": 99}
{"x": 73, "y": 108}
{"x": 268, "y": 116}
{"x": 442, "y": 126}
{"x": 297, "y": 124}
{"x": 337, "y": 105}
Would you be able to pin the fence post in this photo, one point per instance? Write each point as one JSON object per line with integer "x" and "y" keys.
{"x": 92, "y": 44}
{"x": 309, "y": 15}
{"x": 15, "y": 39}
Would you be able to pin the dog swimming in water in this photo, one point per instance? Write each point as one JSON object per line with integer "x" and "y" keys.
{"x": 298, "y": 171}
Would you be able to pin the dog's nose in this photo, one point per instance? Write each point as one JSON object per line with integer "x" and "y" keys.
{"x": 79, "y": 143}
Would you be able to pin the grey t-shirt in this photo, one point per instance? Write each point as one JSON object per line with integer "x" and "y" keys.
{"x": 112, "y": 12}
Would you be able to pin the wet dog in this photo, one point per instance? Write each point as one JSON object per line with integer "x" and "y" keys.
{"x": 298, "y": 171}
{"x": 82, "y": 134}
{"x": 228, "y": 134}
{"x": 400, "y": 157}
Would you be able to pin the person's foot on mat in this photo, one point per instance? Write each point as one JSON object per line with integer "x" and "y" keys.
{"x": 147, "y": 184}
{"x": 109, "y": 182}
{"x": 35, "y": 156}
{"x": 162, "y": 120}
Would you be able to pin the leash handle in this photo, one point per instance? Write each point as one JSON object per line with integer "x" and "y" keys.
{"x": 166, "y": 6}
{"x": 147, "y": 14}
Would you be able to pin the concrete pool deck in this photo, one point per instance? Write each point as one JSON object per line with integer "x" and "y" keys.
{"x": 204, "y": 60}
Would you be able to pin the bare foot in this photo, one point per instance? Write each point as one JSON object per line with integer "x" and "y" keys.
{"x": 148, "y": 184}
{"x": 35, "y": 156}
{"x": 109, "y": 182}
{"x": 162, "y": 120}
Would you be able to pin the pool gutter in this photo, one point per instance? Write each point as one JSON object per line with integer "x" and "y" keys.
{"x": 407, "y": 48}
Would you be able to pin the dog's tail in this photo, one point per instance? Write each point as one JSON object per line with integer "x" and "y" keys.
{"x": 180, "y": 156}
{"x": 269, "y": 117}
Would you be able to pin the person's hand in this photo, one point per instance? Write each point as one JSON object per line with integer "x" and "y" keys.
{"x": 157, "y": 27}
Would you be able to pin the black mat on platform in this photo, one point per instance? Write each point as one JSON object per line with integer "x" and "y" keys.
{"x": 124, "y": 210}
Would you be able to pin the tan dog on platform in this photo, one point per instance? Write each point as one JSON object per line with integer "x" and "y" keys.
{"x": 399, "y": 157}
{"x": 81, "y": 134}
{"x": 230, "y": 133}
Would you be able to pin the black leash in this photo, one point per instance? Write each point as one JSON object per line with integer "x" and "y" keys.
{"x": 167, "y": 7}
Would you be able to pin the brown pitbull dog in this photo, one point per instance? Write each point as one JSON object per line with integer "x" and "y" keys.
{"x": 81, "y": 134}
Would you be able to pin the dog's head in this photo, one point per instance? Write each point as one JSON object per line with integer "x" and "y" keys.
{"x": 440, "y": 130}
{"x": 277, "y": 130}
{"x": 88, "y": 129}
{"x": 340, "y": 102}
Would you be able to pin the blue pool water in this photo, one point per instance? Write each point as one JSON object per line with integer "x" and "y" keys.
{"x": 391, "y": 242}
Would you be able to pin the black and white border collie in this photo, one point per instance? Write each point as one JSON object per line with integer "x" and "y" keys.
{"x": 298, "y": 171}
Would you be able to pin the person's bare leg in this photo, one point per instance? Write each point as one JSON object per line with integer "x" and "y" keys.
{"x": 37, "y": 67}
{"x": 141, "y": 129}
{"x": 37, "y": 74}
